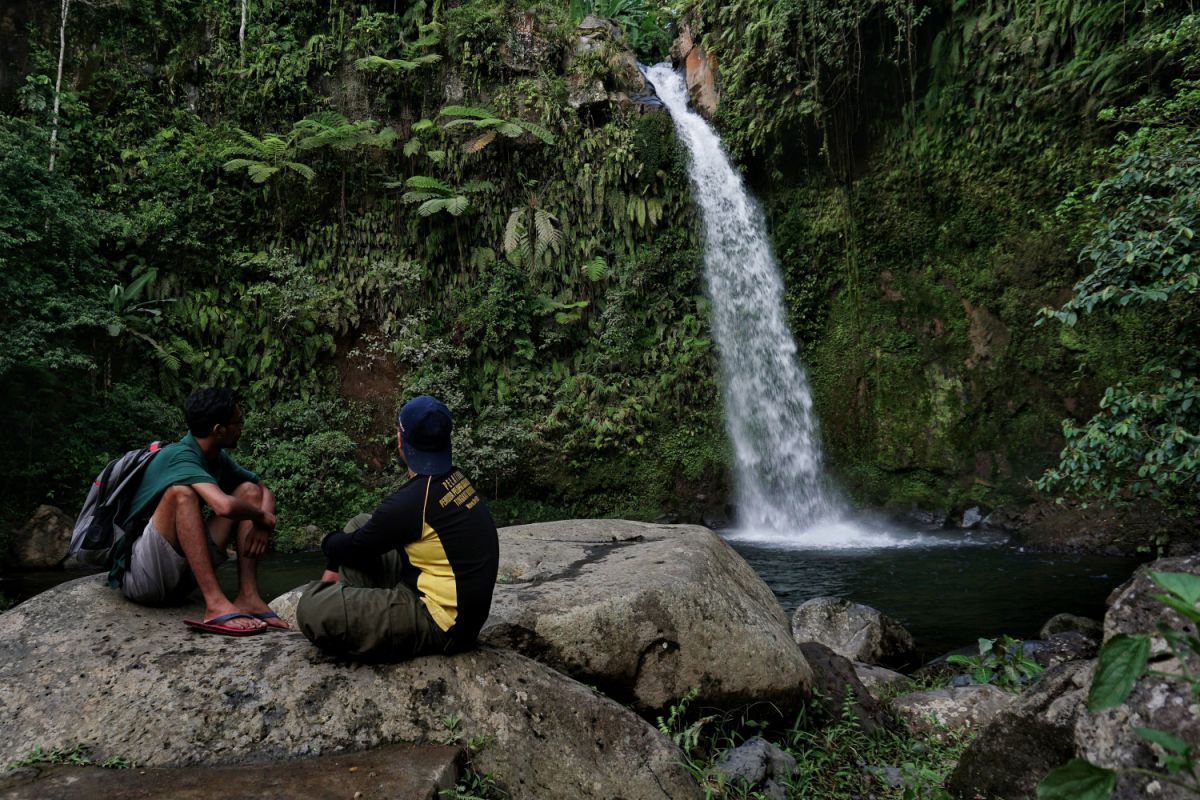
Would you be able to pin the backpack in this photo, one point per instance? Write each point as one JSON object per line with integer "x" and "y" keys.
{"x": 98, "y": 533}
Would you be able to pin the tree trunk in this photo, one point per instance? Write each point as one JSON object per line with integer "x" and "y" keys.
{"x": 62, "y": 49}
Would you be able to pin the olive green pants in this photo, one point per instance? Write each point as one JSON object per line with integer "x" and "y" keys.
{"x": 369, "y": 613}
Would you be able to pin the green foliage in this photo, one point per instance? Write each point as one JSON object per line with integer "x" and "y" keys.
{"x": 648, "y": 26}
{"x": 835, "y": 758}
{"x": 1000, "y": 661}
{"x": 1124, "y": 659}
{"x": 305, "y": 453}
{"x": 70, "y": 756}
{"x": 1145, "y": 440}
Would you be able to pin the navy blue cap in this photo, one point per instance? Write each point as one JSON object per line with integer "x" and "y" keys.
{"x": 425, "y": 425}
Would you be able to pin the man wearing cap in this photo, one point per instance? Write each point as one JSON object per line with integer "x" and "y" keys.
{"x": 415, "y": 576}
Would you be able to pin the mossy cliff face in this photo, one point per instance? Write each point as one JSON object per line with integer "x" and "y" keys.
{"x": 923, "y": 168}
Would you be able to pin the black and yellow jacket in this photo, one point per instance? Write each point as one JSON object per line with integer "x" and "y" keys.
{"x": 451, "y": 551}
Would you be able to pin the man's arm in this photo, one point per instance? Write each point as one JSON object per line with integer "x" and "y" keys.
{"x": 235, "y": 508}
{"x": 396, "y": 522}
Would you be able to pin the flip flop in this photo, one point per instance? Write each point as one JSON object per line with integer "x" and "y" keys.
{"x": 217, "y": 625}
{"x": 267, "y": 616}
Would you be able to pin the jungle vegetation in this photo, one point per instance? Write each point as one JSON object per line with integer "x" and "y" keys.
{"x": 984, "y": 211}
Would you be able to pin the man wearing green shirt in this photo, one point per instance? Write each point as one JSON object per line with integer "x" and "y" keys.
{"x": 177, "y": 551}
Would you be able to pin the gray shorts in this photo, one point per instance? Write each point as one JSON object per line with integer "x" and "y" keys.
{"x": 158, "y": 575}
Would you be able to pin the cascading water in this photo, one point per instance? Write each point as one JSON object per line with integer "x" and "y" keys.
{"x": 781, "y": 486}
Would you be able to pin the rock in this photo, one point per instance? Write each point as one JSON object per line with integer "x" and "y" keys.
{"x": 285, "y": 605}
{"x": 1132, "y": 607}
{"x": 1109, "y": 738}
{"x": 926, "y": 517}
{"x": 1061, "y": 648}
{"x": 957, "y": 708}
{"x": 700, "y": 71}
{"x": 1034, "y": 735}
{"x": 645, "y": 612}
{"x": 81, "y": 666}
{"x": 527, "y": 48}
{"x": 758, "y": 764}
{"x": 1062, "y": 623}
{"x": 414, "y": 773}
{"x": 581, "y": 95}
{"x": 714, "y": 521}
{"x": 836, "y": 684}
{"x": 880, "y": 681}
{"x": 45, "y": 539}
{"x": 858, "y": 632}
{"x": 971, "y": 518}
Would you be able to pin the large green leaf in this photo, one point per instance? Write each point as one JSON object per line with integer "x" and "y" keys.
{"x": 1181, "y": 584}
{"x": 1077, "y": 780}
{"x": 1121, "y": 662}
{"x": 1168, "y": 742}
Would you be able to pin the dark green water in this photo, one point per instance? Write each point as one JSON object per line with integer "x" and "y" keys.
{"x": 947, "y": 595}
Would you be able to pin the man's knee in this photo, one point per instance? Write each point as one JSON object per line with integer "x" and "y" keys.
{"x": 250, "y": 492}
{"x": 179, "y": 498}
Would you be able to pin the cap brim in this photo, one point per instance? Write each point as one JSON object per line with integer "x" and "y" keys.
{"x": 424, "y": 462}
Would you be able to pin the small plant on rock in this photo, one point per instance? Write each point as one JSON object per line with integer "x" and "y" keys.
{"x": 1000, "y": 661}
{"x": 1122, "y": 661}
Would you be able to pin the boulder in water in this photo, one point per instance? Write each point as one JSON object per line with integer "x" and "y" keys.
{"x": 853, "y": 630}
{"x": 44, "y": 541}
{"x": 79, "y": 665}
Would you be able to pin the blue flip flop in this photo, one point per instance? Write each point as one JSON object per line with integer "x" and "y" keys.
{"x": 217, "y": 625}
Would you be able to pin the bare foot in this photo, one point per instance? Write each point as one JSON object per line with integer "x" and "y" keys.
{"x": 256, "y": 607}
{"x": 238, "y": 623}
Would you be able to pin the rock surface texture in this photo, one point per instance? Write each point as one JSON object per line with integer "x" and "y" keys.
{"x": 43, "y": 542}
{"x": 955, "y": 707}
{"x": 1026, "y": 740}
{"x": 858, "y": 632}
{"x": 759, "y": 765}
{"x": 645, "y": 612}
{"x": 838, "y": 684}
{"x": 412, "y": 773}
{"x": 700, "y": 70}
{"x": 81, "y": 666}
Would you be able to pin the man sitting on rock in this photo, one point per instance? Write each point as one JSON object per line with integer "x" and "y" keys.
{"x": 416, "y": 576}
{"x": 177, "y": 551}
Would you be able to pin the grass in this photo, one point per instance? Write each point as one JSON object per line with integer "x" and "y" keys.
{"x": 76, "y": 756}
{"x": 835, "y": 759}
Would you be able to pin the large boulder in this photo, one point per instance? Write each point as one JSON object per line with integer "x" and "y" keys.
{"x": 1025, "y": 741}
{"x": 1132, "y": 607}
{"x": 837, "y": 684}
{"x": 645, "y": 612}
{"x": 956, "y": 708}
{"x": 81, "y": 666}
{"x": 45, "y": 539}
{"x": 858, "y": 632}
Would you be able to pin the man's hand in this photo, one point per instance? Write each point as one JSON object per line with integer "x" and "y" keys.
{"x": 256, "y": 541}
{"x": 267, "y": 521}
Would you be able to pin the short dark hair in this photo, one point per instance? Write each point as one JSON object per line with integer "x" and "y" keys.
{"x": 206, "y": 408}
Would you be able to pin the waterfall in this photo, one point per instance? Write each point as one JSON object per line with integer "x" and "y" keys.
{"x": 780, "y": 481}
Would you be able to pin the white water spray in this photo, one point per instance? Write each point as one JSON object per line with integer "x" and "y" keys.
{"x": 768, "y": 408}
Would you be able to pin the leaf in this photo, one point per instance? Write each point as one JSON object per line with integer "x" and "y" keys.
{"x": 1120, "y": 663}
{"x": 427, "y": 182}
{"x": 431, "y": 207}
{"x": 468, "y": 111}
{"x": 412, "y": 146}
{"x": 1184, "y": 586}
{"x": 1077, "y": 780}
{"x": 1172, "y": 744}
{"x": 457, "y": 205}
{"x": 537, "y": 130}
{"x": 479, "y": 142}
{"x": 421, "y": 125}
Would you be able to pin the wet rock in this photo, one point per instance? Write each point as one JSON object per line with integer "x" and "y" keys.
{"x": 645, "y": 612}
{"x": 836, "y": 684}
{"x": 926, "y": 517}
{"x": 411, "y": 772}
{"x": 700, "y": 72}
{"x": 1062, "y": 623}
{"x": 853, "y": 630}
{"x": 44, "y": 541}
{"x": 1062, "y": 647}
{"x": 584, "y": 95}
{"x": 1025, "y": 741}
{"x": 758, "y": 765}
{"x": 971, "y": 518}
{"x": 528, "y": 48}
{"x": 956, "y": 708}
{"x": 79, "y": 665}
